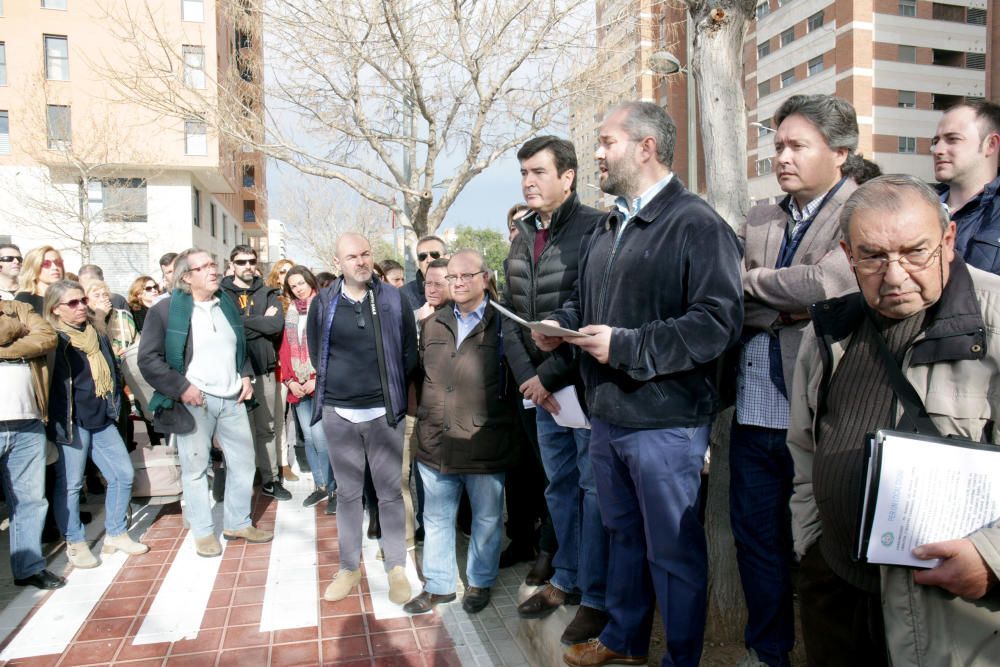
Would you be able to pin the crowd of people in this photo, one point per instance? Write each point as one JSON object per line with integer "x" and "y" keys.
{"x": 803, "y": 320}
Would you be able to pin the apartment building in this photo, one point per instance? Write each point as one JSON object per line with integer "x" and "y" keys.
{"x": 899, "y": 62}
{"x": 104, "y": 177}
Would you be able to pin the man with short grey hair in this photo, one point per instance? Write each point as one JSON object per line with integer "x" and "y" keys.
{"x": 926, "y": 317}
{"x": 791, "y": 260}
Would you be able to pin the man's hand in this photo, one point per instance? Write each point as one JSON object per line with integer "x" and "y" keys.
{"x": 547, "y": 343}
{"x": 247, "y": 390}
{"x": 193, "y": 396}
{"x": 962, "y": 570}
{"x": 273, "y": 310}
{"x": 296, "y": 389}
{"x": 423, "y": 312}
{"x": 597, "y": 344}
{"x": 539, "y": 395}
{"x": 309, "y": 387}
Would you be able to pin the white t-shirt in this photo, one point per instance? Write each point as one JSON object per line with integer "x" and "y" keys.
{"x": 18, "y": 393}
{"x": 213, "y": 362}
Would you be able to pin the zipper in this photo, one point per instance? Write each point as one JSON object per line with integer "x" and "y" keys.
{"x": 602, "y": 297}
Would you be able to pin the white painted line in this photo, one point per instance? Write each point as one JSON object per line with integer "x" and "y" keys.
{"x": 378, "y": 580}
{"x": 62, "y": 615}
{"x": 291, "y": 597}
{"x": 180, "y": 604}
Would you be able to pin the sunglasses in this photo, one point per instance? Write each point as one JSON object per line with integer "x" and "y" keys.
{"x": 245, "y": 262}
{"x": 199, "y": 269}
{"x": 47, "y": 263}
{"x": 73, "y": 304}
{"x": 151, "y": 288}
{"x": 359, "y": 317}
{"x": 433, "y": 254}
{"x": 9, "y": 259}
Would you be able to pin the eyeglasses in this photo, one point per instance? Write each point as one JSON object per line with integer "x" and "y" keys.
{"x": 10, "y": 259}
{"x": 47, "y": 263}
{"x": 151, "y": 288}
{"x": 73, "y": 304}
{"x": 196, "y": 269}
{"x": 911, "y": 262}
{"x": 466, "y": 277}
{"x": 245, "y": 262}
{"x": 433, "y": 254}
{"x": 359, "y": 318}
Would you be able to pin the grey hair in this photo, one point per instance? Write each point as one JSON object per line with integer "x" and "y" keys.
{"x": 890, "y": 193}
{"x": 834, "y": 117}
{"x": 53, "y": 297}
{"x": 645, "y": 119}
{"x": 182, "y": 267}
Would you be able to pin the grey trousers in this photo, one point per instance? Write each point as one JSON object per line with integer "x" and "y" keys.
{"x": 349, "y": 444}
{"x": 262, "y": 420}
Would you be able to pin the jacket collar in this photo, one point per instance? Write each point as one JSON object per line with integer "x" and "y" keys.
{"x": 955, "y": 330}
{"x": 560, "y": 216}
{"x": 988, "y": 192}
{"x": 651, "y": 211}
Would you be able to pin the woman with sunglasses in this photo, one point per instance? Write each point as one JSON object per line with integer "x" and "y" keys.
{"x": 84, "y": 401}
{"x": 299, "y": 376}
{"x": 141, "y": 295}
{"x": 42, "y": 267}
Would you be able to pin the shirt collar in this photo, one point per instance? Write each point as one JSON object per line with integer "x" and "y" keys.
{"x": 630, "y": 209}
{"x": 798, "y": 215}
{"x": 474, "y": 316}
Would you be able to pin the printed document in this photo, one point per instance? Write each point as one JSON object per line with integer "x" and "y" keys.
{"x": 571, "y": 414}
{"x": 540, "y": 327}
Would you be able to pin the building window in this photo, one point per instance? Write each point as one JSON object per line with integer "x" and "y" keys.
{"x": 249, "y": 179}
{"x": 56, "y": 58}
{"x": 943, "y": 12}
{"x": 764, "y": 127}
{"x": 763, "y": 49}
{"x": 4, "y": 133}
{"x": 3, "y": 64}
{"x": 975, "y": 16}
{"x": 907, "y": 144}
{"x": 907, "y": 7}
{"x": 225, "y": 238}
{"x": 782, "y": 3}
{"x": 788, "y": 36}
{"x": 907, "y": 54}
{"x": 59, "y": 126}
{"x": 195, "y": 138}
{"x": 763, "y": 9}
{"x": 192, "y": 10}
{"x": 211, "y": 221}
{"x": 225, "y": 221}
{"x": 236, "y": 235}
{"x": 815, "y": 21}
{"x": 787, "y": 78}
{"x": 194, "y": 66}
{"x": 117, "y": 199}
{"x": 907, "y": 99}
{"x": 815, "y": 65}
{"x": 975, "y": 61}
{"x": 764, "y": 166}
{"x": 53, "y": 4}
{"x": 249, "y": 210}
{"x": 763, "y": 89}
{"x": 195, "y": 207}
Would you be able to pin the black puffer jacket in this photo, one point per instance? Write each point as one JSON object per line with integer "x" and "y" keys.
{"x": 535, "y": 291}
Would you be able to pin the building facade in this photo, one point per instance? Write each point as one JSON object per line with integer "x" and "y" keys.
{"x": 112, "y": 180}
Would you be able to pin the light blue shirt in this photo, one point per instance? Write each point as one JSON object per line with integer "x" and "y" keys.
{"x": 466, "y": 323}
{"x": 630, "y": 209}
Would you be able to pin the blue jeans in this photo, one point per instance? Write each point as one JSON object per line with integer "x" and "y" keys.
{"x": 106, "y": 447}
{"x": 317, "y": 452}
{"x": 581, "y": 559}
{"x": 228, "y": 420}
{"x": 22, "y": 462}
{"x": 760, "y": 486}
{"x": 648, "y": 482}
{"x": 442, "y": 495}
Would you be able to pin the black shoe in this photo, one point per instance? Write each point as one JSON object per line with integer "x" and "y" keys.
{"x": 541, "y": 571}
{"x": 86, "y": 518}
{"x": 44, "y": 580}
{"x": 374, "y": 528}
{"x": 475, "y": 599}
{"x": 516, "y": 552}
{"x": 586, "y": 625}
{"x": 331, "y": 505}
{"x": 545, "y": 601}
{"x": 425, "y": 602}
{"x": 276, "y": 490}
{"x": 314, "y": 498}
{"x": 219, "y": 484}
{"x": 418, "y": 535}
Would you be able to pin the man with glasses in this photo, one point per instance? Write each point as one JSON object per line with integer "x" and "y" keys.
{"x": 924, "y": 310}
{"x": 264, "y": 322}
{"x": 429, "y": 248}
{"x": 194, "y": 353}
{"x": 362, "y": 341}
{"x": 10, "y": 268}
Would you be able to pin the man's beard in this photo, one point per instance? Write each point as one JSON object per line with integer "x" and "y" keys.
{"x": 621, "y": 179}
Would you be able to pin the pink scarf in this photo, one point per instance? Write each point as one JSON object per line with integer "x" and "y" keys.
{"x": 298, "y": 347}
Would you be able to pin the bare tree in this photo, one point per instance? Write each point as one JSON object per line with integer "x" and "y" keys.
{"x": 403, "y": 101}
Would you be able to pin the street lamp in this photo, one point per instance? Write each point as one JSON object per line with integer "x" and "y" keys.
{"x": 761, "y": 126}
{"x": 665, "y": 63}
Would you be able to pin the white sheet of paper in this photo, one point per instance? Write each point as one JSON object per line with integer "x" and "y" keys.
{"x": 571, "y": 413}
{"x": 930, "y": 492}
{"x": 546, "y": 329}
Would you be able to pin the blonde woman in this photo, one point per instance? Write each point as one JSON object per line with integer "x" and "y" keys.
{"x": 284, "y": 443}
{"x": 42, "y": 267}
{"x": 117, "y": 324}
{"x": 84, "y": 401}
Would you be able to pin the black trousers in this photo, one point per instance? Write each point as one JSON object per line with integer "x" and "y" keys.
{"x": 525, "y": 491}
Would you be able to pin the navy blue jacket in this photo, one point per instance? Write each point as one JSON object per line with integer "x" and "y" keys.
{"x": 72, "y": 396}
{"x": 397, "y": 356}
{"x": 978, "y": 222}
{"x": 672, "y": 292}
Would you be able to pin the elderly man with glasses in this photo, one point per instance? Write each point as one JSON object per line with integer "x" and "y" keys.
{"x": 10, "y": 268}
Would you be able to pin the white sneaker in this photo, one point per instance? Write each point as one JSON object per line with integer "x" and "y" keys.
{"x": 123, "y": 543}
{"x": 343, "y": 582}
{"x": 79, "y": 555}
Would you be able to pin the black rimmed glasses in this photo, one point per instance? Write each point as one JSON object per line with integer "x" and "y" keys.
{"x": 466, "y": 277}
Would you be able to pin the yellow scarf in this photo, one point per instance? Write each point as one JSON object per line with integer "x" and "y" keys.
{"x": 88, "y": 343}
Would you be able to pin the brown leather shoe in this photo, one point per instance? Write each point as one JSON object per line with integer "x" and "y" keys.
{"x": 587, "y": 624}
{"x": 593, "y": 653}
{"x": 541, "y": 571}
{"x": 545, "y": 601}
{"x": 425, "y": 602}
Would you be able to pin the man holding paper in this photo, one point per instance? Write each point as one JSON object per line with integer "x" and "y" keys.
{"x": 541, "y": 275}
{"x": 926, "y": 319}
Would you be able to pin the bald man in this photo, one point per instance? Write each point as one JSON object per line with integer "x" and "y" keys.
{"x": 362, "y": 342}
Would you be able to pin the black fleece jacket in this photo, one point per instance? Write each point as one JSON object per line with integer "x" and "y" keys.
{"x": 263, "y": 331}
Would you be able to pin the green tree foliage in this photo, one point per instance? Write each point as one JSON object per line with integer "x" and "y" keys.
{"x": 491, "y": 243}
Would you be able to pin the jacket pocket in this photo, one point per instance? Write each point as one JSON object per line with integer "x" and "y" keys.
{"x": 964, "y": 415}
{"x": 984, "y": 253}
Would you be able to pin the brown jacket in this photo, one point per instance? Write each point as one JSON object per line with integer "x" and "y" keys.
{"x": 463, "y": 426}
{"x": 35, "y": 345}
{"x": 818, "y": 271}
